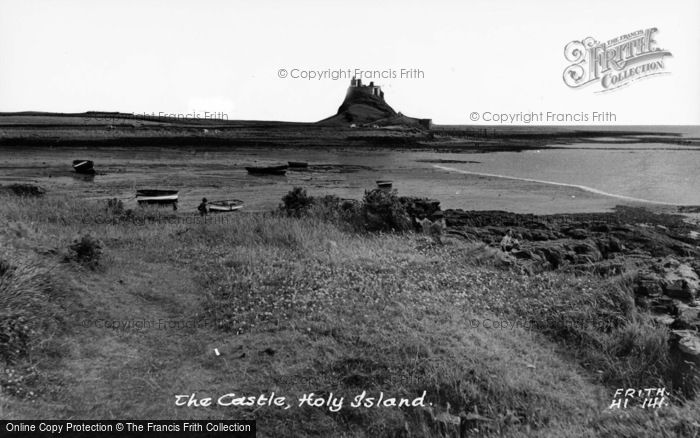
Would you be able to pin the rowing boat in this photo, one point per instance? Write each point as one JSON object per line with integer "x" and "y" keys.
{"x": 224, "y": 206}
{"x": 156, "y": 196}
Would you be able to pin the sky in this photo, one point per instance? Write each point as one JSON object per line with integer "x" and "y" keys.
{"x": 217, "y": 56}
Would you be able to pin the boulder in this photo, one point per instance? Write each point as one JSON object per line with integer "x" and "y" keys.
{"x": 664, "y": 319}
{"x": 539, "y": 235}
{"x": 587, "y": 252}
{"x": 609, "y": 245}
{"x": 687, "y": 317}
{"x": 553, "y": 255}
{"x": 688, "y": 343}
{"x": 685, "y": 352}
{"x": 577, "y": 233}
{"x": 662, "y": 304}
{"x": 680, "y": 281}
{"x": 648, "y": 284}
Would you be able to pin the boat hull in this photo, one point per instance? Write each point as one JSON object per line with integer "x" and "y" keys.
{"x": 224, "y": 206}
{"x": 275, "y": 170}
{"x": 223, "y": 209}
{"x": 164, "y": 197}
{"x": 84, "y": 166}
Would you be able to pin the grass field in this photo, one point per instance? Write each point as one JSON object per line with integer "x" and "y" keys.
{"x": 298, "y": 305}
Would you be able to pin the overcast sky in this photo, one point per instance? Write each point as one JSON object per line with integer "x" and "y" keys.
{"x": 225, "y": 56}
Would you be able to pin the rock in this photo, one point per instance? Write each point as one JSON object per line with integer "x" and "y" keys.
{"x": 671, "y": 263}
{"x": 420, "y": 208}
{"x": 600, "y": 227}
{"x": 648, "y": 284}
{"x": 553, "y": 255}
{"x": 587, "y": 252}
{"x": 662, "y": 304}
{"x": 609, "y": 245}
{"x": 522, "y": 254}
{"x": 577, "y": 233}
{"x": 685, "y": 353}
{"x": 538, "y": 235}
{"x": 688, "y": 343}
{"x": 663, "y": 319}
{"x": 687, "y": 317}
{"x": 680, "y": 281}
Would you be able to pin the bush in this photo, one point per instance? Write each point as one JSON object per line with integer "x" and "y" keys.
{"x": 296, "y": 203}
{"x": 383, "y": 211}
{"x": 86, "y": 250}
{"x": 344, "y": 213}
{"x": 380, "y": 210}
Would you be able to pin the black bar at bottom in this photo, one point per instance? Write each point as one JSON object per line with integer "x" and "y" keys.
{"x": 127, "y": 428}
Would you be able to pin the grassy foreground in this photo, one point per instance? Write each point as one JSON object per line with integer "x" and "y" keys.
{"x": 297, "y": 305}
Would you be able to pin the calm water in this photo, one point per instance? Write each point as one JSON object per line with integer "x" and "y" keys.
{"x": 651, "y": 172}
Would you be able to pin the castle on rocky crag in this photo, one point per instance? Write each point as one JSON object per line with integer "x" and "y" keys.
{"x": 364, "y": 106}
{"x": 356, "y": 87}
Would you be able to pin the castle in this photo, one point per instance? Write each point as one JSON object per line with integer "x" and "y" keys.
{"x": 356, "y": 87}
{"x": 364, "y": 105}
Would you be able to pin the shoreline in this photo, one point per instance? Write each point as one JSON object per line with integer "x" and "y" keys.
{"x": 344, "y": 172}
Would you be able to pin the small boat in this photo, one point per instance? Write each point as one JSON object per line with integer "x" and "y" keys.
{"x": 84, "y": 166}
{"x": 384, "y": 184}
{"x": 156, "y": 196}
{"x": 269, "y": 170}
{"x": 224, "y": 206}
{"x": 298, "y": 164}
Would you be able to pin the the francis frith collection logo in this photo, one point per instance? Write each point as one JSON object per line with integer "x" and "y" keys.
{"x": 616, "y": 62}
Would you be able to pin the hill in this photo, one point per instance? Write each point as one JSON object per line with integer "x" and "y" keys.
{"x": 365, "y": 105}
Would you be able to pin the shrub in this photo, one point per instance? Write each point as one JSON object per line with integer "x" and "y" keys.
{"x": 296, "y": 203}
{"x": 382, "y": 211}
{"x": 86, "y": 250}
{"x": 379, "y": 210}
{"x": 344, "y": 213}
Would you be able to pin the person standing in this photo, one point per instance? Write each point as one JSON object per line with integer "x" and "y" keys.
{"x": 203, "y": 207}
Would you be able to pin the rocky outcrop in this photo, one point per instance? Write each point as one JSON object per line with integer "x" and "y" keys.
{"x": 656, "y": 255}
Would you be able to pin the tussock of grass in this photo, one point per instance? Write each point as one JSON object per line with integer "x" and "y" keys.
{"x": 24, "y": 314}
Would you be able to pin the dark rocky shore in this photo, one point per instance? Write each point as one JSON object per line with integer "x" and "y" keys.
{"x": 655, "y": 256}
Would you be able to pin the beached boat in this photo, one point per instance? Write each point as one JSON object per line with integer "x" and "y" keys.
{"x": 224, "y": 206}
{"x": 384, "y": 184}
{"x": 84, "y": 166}
{"x": 269, "y": 170}
{"x": 156, "y": 196}
{"x": 298, "y": 164}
